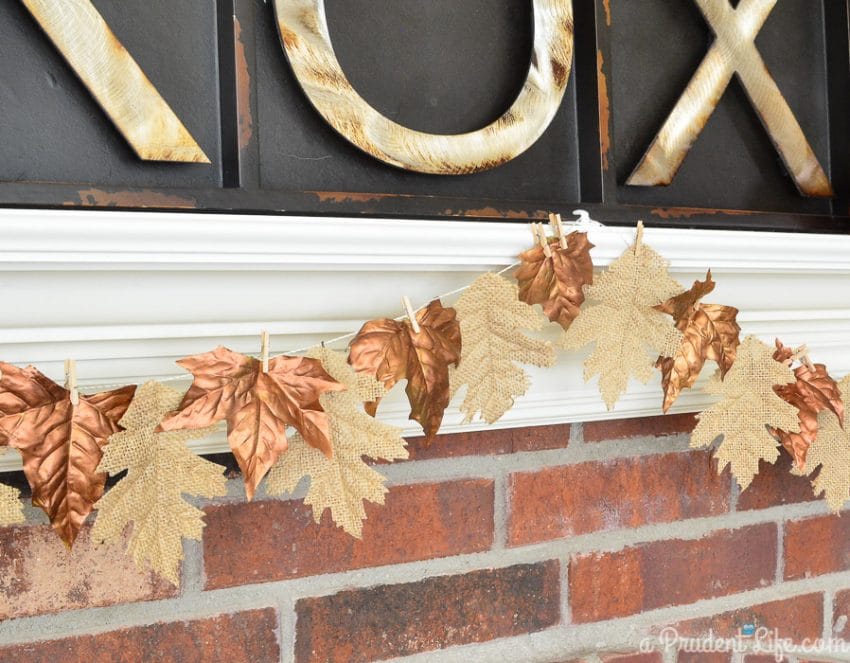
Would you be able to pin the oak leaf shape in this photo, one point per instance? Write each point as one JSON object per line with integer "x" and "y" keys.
{"x": 812, "y": 392}
{"x": 342, "y": 483}
{"x": 160, "y": 469}
{"x": 391, "y": 351}
{"x": 61, "y": 443}
{"x": 832, "y": 455}
{"x": 748, "y": 406}
{"x": 257, "y": 406}
{"x": 619, "y": 316}
{"x": 491, "y": 318}
{"x": 557, "y": 282}
{"x": 709, "y": 331}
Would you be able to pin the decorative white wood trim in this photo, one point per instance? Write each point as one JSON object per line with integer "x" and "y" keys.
{"x": 127, "y": 293}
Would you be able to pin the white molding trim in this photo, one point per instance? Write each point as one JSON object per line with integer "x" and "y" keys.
{"x": 127, "y": 293}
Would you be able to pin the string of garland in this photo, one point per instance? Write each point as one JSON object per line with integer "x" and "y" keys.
{"x": 637, "y": 317}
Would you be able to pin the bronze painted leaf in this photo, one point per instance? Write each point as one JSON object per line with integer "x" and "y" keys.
{"x": 391, "y": 351}
{"x": 557, "y": 282}
{"x": 257, "y": 406}
{"x": 61, "y": 443}
{"x": 709, "y": 331}
{"x": 812, "y": 392}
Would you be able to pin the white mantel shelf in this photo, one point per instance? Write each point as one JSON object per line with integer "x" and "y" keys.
{"x": 128, "y": 293}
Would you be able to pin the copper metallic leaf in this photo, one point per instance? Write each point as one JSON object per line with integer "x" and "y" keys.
{"x": 813, "y": 392}
{"x": 709, "y": 331}
{"x": 61, "y": 443}
{"x": 829, "y": 459}
{"x": 557, "y": 282}
{"x": 257, "y": 406}
{"x": 391, "y": 351}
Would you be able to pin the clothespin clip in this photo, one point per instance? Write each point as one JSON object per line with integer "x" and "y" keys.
{"x": 71, "y": 381}
{"x": 557, "y": 224}
{"x": 639, "y": 238}
{"x": 411, "y": 314}
{"x": 802, "y": 354}
{"x": 264, "y": 350}
{"x": 542, "y": 239}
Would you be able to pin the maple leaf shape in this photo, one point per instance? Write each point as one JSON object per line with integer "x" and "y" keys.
{"x": 812, "y": 392}
{"x": 619, "y": 316}
{"x": 556, "y": 281}
{"x": 490, "y": 321}
{"x": 748, "y": 406}
{"x": 342, "y": 484}
{"x": 61, "y": 443}
{"x": 709, "y": 331}
{"x": 257, "y": 405}
{"x": 391, "y": 351}
{"x": 832, "y": 455}
{"x": 160, "y": 469}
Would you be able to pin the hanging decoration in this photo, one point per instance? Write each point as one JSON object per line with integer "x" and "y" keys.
{"x": 709, "y": 331}
{"x": 812, "y": 392}
{"x": 620, "y": 317}
{"x": 258, "y": 399}
{"x": 554, "y": 273}
{"x": 60, "y": 434}
{"x": 160, "y": 470}
{"x": 419, "y": 349}
{"x": 491, "y": 318}
{"x": 829, "y": 459}
{"x": 343, "y": 482}
{"x": 636, "y": 315}
{"x": 748, "y": 406}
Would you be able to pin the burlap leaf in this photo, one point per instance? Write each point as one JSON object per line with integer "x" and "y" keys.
{"x": 619, "y": 316}
{"x": 831, "y": 452}
{"x": 342, "y": 483}
{"x": 491, "y": 317}
{"x": 11, "y": 507}
{"x": 160, "y": 469}
{"x": 747, "y": 407}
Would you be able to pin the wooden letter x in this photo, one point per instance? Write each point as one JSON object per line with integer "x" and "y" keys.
{"x": 733, "y": 52}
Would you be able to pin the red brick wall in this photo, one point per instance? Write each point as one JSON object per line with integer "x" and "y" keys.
{"x": 557, "y": 543}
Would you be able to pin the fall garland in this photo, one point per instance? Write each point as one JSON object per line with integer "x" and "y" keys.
{"x": 637, "y": 317}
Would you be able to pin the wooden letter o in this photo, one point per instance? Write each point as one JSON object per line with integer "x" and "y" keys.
{"x": 306, "y": 40}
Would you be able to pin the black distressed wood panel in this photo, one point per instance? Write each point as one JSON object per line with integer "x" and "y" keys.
{"x": 52, "y": 130}
{"x": 440, "y": 66}
{"x": 656, "y": 46}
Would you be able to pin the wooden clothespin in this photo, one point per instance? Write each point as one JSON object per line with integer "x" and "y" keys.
{"x": 411, "y": 314}
{"x": 71, "y": 381}
{"x": 264, "y": 350}
{"x": 557, "y": 224}
{"x": 639, "y": 238}
{"x": 802, "y": 354}
{"x": 543, "y": 240}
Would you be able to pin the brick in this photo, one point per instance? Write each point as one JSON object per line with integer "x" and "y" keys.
{"x": 243, "y": 636}
{"x": 764, "y": 658}
{"x": 39, "y": 575}
{"x": 664, "y": 573}
{"x": 564, "y": 501}
{"x": 704, "y": 657}
{"x": 797, "y": 618}
{"x": 491, "y": 442}
{"x": 421, "y": 521}
{"x": 618, "y": 429}
{"x": 841, "y": 615}
{"x": 816, "y": 546}
{"x": 774, "y": 485}
{"x": 399, "y": 620}
{"x": 647, "y": 657}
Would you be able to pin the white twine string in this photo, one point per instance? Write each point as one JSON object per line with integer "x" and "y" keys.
{"x": 583, "y": 224}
